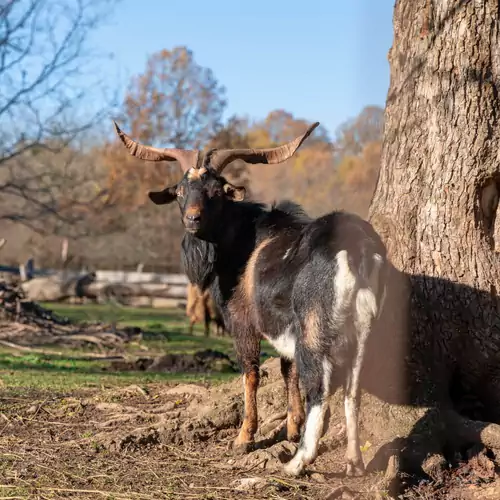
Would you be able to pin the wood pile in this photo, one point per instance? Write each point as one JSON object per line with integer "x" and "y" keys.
{"x": 25, "y": 323}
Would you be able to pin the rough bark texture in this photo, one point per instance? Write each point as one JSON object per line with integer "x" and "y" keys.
{"x": 435, "y": 207}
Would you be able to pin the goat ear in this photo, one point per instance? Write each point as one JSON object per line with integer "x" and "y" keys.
{"x": 168, "y": 195}
{"x": 235, "y": 193}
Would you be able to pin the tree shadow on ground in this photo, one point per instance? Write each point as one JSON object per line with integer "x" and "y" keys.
{"x": 436, "y": 354}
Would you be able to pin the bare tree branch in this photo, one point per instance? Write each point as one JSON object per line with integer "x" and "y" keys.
{"x": 48, "y": 74}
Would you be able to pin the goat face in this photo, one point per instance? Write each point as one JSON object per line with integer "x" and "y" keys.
{"x": 201, "y": 195}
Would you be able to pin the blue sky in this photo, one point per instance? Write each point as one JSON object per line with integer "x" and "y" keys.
{"x": 321, "y": 60}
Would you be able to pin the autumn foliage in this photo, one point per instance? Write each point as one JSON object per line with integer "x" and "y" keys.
{"x": 175, "y": 102}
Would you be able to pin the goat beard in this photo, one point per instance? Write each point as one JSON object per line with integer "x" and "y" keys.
{"x": 198, "y": 259}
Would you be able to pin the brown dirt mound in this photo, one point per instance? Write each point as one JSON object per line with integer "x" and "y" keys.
{"x": 167, "y": 440}
{"x": 210, "y": 416}
{"x": 207, "y": 361}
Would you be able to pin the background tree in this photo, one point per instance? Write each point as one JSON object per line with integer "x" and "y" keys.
{"x": 234, "y": 135}
{"x": 354, "y": 134}
{"x": 47, "y": 72}
{"x": 296, "y": 178}
{"x": 435, "y": 206}
{"x": 174, "y": 103}
{"x": 322, "y": 176}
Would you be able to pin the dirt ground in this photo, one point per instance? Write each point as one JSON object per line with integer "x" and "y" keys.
{"x": 169, "y": 441}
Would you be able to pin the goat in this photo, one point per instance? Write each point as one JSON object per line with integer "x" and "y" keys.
{"x": 312, "y": 287}
{"x": 200, "y": 307}
{"x": 82, "y": 288}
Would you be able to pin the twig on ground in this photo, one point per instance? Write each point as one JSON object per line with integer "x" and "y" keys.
{"x": 76, "y": 490}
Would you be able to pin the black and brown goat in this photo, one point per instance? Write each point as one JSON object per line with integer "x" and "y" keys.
{"x": 312, "y": 287}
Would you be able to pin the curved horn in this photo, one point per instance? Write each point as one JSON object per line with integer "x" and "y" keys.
{"x": 221, "y": 159}
{"x": 187, "y": 158}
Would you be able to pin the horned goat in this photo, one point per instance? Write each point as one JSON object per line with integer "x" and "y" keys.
{"x": 312, "y": 287}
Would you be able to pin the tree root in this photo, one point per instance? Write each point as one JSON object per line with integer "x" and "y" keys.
{"x": 436, "y": 438}
{"x": 464, "y": 431}
{"x": 270, "y": 424}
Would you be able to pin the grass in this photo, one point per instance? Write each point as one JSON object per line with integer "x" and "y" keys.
{"x": 137, "y": 316}
{"x": 165, "y": 331}
{"x": 62, "y": 373}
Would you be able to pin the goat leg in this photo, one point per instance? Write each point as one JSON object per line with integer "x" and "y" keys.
{"x": 295, "y": 411}
{"x": 247, "y": 345}
{"x": 245, "y": 440}
{"x": 366, "y": 308}
{"x": 317, "y": 387}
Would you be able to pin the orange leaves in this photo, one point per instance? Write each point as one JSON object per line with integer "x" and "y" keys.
{"x": 174, "y": 103}
{"x": 130, "y": 179}
{"x": 361, "y": 170}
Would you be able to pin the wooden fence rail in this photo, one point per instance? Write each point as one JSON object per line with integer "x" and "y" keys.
{"x": 131, "y": 287}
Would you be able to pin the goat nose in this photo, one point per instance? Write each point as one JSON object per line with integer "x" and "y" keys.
{"x": 194, "y": 217}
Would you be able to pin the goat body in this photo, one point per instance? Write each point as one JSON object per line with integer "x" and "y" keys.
{"x": 313, "y": 288}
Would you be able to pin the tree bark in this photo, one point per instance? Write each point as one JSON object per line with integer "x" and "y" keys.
{"x": 435, "y": 207}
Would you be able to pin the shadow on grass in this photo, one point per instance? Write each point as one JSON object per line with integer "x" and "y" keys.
{"x": 164, "y": 332}
{"x": 68, "y": 371}
{"x": 48, "y": 362}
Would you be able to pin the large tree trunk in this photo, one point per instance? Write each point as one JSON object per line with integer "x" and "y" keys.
{"x": 435, "y": 207}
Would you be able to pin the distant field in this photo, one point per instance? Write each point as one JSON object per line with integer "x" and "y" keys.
{"x": 165, "y": 331}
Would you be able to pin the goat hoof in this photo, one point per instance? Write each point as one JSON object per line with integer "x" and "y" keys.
{"x": 294, "y": 424}
{"x": 294, "y": 468}
{"x": 354, "y": 469}
{"x": 293, "y": 436}
{"x": 242, "y": 448}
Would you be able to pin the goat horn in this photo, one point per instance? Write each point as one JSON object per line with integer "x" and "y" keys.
{"x": 187, "y": 158}
{"x": 222, "y": 158}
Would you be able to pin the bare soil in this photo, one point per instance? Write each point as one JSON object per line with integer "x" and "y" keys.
{"x": 168, "y": 441}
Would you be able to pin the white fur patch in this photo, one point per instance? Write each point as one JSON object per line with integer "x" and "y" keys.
{"x": 327, "y": 376}
{"x": 313, "y": 429}
{"x": 367, "y": 308}
{"x": 312, "y": 432}
{"x": 351, "y": 427}
{"x": 344, "y": 283}
{"x": 366, "y": 305}
{"x": 309, "y": 447}
{"x": 284, "y": 344}
{"x": 196, "y": 173}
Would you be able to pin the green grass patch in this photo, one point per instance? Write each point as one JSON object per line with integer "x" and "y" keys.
{"x": 136, "y": 316}
{"x": 165, "y": 331}
{"x": 47, "y": 371}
